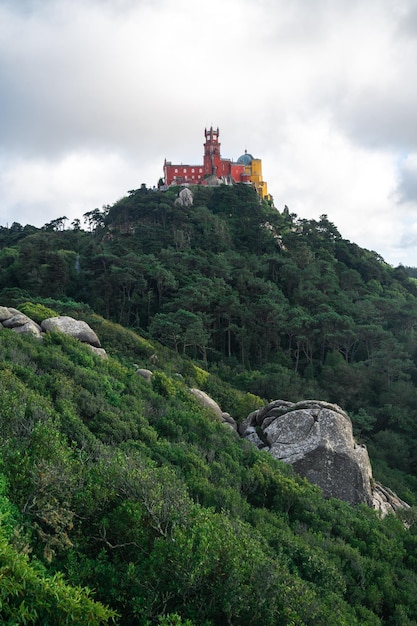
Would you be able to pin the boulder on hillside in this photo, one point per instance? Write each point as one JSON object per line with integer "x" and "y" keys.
{"x": 207, "y": 402}
{"x": 316, "y": 438}
{"x": 75, "y": 328}
{"x": 29, "y": 327}
{"x": 17, "y": 319}
{"x": 185, "y": 197}
{"x": 145, "y": 373}
{"x": 98, "y": 351}
{"x": 211, "y": 404}
{"x": 7, "y": 312}
{"x": 228, "y": 420}
{"x": 386, "y": 501}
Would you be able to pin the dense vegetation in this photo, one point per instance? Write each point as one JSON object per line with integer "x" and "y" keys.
{"x": 275, "y": 305}
{"x": 132, "y": 489}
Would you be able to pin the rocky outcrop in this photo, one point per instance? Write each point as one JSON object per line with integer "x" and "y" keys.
{"x": 75, "y": 328}
{"x": 28, "y": 327}
{"x": 7, "y": 312}
{"x": 185, "y": 197}
{"x": 20, "y": 323}
{"x": 16, "y": 320}
{"x": 386, "y": 501}
{"x": 316, "y": 439}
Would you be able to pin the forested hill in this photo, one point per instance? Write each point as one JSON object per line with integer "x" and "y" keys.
{"x": 127, "y": 486}
{"x": 276, "y": 305}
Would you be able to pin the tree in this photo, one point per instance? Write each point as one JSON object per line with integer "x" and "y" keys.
{"x": 56, "y": 224}
{"x": 30, "y": 596}
{"x": 95, "y": 218}
{"x": 181, "y": 330}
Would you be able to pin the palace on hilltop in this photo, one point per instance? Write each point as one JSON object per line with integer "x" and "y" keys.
{"x": 215, "y": 169}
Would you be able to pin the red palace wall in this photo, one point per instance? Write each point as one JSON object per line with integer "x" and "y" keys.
{"x": 183, "y": 173}
{"x": 237, "y": 171}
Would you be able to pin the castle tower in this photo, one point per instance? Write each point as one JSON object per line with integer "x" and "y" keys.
{"x": 212, "y": 152}
{"x": 253, "y": 173}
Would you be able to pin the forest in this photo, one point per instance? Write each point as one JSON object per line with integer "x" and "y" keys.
{"x": 124, "y": 501}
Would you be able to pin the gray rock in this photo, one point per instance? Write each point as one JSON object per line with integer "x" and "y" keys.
{"x": 207, "y": 402}
{"x": 98, "y": 351}
{"x": 228, "y": 419}
{"x": 75, "y": 328}
{"x": 30, "y": 327}
{"x": 316, "y": 438}
{"x": 146, "y": 374}
{"x": 6, "y": 313}
{"x": 248, "y": 423}
{"x": 185, "y": 197}
{"x": 18, "y": 319}
{"x": 386, "y": 501}
{"x": 253, "y": 437}
{"x": 213, "y": 181}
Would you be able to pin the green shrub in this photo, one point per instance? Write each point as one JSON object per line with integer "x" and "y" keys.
{"x": 29, "y": 596}
{"x": 164, "y": 385}
{"x": 37, "y": 312}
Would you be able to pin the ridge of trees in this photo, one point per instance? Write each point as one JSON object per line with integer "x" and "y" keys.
{"x": 274, "y": 304}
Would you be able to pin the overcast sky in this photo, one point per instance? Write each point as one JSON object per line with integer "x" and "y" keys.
{"x": 94, "y": 94}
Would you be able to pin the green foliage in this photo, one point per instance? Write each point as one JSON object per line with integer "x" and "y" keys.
{"x": 130, "y": 487}
{"x": 164, "y": 386}
{"x": 30, "y": 596}
{"x": 237, "y": 403}
{"x": 119, "y": 341}
{"x": 173, "y": 619}
{"x": 362, "y": 422}
{"x": 37, "y": 312}
{"x": 199, "y": 375}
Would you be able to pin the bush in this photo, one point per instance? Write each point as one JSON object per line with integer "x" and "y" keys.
{"x": 37, "y": 312}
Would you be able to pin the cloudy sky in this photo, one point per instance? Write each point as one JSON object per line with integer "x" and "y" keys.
{"x": 94, "y": 94}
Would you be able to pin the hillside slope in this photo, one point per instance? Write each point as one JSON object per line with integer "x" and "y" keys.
{"x": 131, "y": 488}
{"x": 276, "y": 305}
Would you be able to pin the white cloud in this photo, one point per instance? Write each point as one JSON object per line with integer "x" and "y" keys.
{"x": 322, "y": 171}
{"x": 95, "y": 94}
{"x": 38, "y": 191}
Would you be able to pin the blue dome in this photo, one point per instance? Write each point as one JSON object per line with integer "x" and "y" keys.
{"x": 245, "y": 159}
